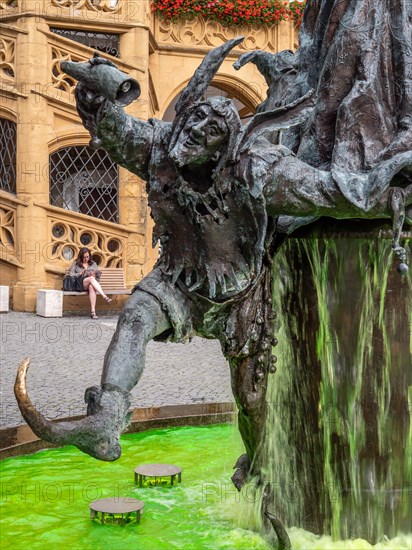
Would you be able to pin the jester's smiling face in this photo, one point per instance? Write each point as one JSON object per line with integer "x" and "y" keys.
{"x": 201, "y": 138}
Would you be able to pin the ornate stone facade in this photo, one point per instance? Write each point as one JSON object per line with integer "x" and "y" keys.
{"x": 198, "y": 31}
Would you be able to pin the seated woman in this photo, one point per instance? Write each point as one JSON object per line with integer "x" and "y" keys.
{"x": 88, "y": 272}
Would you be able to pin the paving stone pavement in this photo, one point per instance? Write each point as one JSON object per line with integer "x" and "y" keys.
{"x": 67, "y": 357}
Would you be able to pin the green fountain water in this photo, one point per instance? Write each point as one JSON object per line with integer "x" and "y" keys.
{"x": 336, "y": 457}
{"x": 46, "y": 496}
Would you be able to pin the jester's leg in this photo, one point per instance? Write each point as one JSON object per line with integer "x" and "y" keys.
{"x": 141, "y": 320}
{"x": 397, "y": 203}
{"x": 247, "y": 345}
{"x": 98, "y": 433}
{"x": 249, "y": 385}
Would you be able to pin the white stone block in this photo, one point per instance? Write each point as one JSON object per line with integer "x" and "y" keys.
{"x": 49, "y": 303}
{"x": 4, "y": 299}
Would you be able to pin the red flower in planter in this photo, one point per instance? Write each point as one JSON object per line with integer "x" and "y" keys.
{"x": 296, "y": 9}
{"x": 232, "y": 12}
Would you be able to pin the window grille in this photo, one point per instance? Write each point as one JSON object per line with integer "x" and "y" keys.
{"x": 8, "y": 133}
{"x": 86, "y": 181}
{"x": 103, "y": 42}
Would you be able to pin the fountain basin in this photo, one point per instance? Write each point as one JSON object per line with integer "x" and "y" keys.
{"x": 46, "y": 497}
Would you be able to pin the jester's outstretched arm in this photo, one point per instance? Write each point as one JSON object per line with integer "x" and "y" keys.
{"x": 296, "y": 188}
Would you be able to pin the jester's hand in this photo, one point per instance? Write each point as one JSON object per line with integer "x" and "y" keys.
{"x": 88, "y": 103}
{"x": 97, "y": 60}
{"x": 88, "y": 100}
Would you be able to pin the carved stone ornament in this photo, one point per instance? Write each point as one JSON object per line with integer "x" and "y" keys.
{"x": 8, "y": 4}
{"x": 61, "y": 81}
{"x": 198, "y": 31}
{"x": 7, "y": 228}
{"x": 7, "y": 49}
{"x": 110, "y": 6}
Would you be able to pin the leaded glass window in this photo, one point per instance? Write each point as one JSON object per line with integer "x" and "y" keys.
{"x": 102, "y": 41}
{"x": 8, "y": 140}
{"x": 86, "y": 181}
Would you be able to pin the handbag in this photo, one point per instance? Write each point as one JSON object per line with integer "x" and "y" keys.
{"x": 73, "y": 284}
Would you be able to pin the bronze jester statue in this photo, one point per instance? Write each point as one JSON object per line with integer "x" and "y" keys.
{"x": 223, "y": 198}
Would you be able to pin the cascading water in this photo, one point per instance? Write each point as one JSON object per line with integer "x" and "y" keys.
{"x": 336, "y": 457}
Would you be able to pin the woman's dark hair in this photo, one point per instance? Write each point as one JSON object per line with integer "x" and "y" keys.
{"x": 82, "y": 252}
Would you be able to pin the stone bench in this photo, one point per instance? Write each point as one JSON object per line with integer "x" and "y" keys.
{"x": 4, "y": 299}
{"x": 50, "y": 302}
{"x": 112, "y": 281}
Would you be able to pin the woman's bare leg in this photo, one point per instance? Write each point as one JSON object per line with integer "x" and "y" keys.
{"x": 95, "y": 284}
{"x": 92, "y": 298}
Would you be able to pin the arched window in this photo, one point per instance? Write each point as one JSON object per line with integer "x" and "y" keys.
{"x": 245, "y": 110}
{"x": 8, "y": 141}
{"x": 86, "y": 181}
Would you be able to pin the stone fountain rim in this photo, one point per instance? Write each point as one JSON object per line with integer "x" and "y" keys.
{"x": 20, "y": 440}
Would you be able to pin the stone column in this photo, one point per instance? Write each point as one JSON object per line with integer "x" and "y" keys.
{"x": 33, "y": 133}
{"x": 286, "y": 36}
